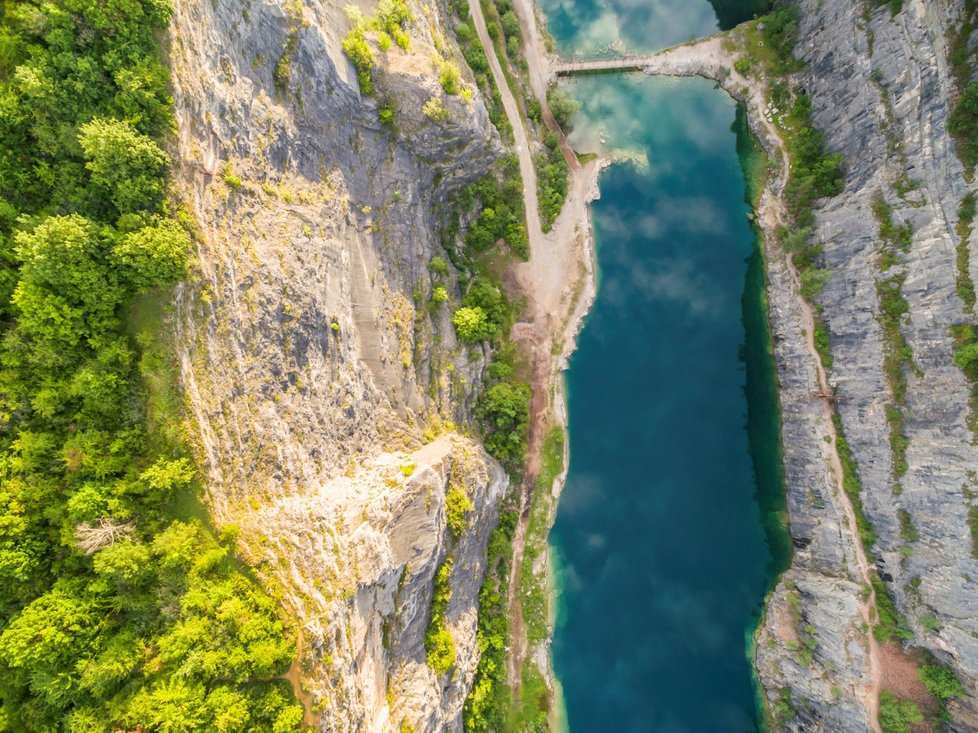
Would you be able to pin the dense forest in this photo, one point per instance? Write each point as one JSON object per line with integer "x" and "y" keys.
{"x": 119, "y": 607}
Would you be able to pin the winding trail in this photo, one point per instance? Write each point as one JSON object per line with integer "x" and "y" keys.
{"x": 555, "y": 263}
{"x": 557, "y": 284}
{"x": 521, "y": 139}
{"x": 710, "y": 59}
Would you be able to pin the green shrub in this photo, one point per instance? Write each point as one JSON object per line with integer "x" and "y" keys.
{"x": 472, "y": 324}
{"x": 387, "y": 112}
{"x": 898, "y": 715}
{"x": 438, "y": 266}
{"x": 562, "y": 107}
{"x": 457, "y": 505}
{"x": 438, "y": 641}
{"x": 504, "y": 410}
{"x": 435, "y": 110}
{"x": 450, "y": 77}
{"x": 940, "y": 681}
{"x": 357, "y": 49}
{"x": 552, "y": 181}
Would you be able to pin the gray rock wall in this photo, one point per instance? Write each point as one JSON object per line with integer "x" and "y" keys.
{"x": 880, "y": 93}
{"x": 319, "y": 380}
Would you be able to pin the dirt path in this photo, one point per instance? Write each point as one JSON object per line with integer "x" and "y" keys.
{"x": 530, "y": 334}
{"x": 558, "y": 269}
{"x": 772, "y": 215}
{"x": 538, "y": 62}
{"x": 521, "y": 139}
{"x": 710, "y": 59}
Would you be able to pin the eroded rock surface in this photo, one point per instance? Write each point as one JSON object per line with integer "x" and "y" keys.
{"x": 319, "y": 372}
{"x": 880, "y": 89}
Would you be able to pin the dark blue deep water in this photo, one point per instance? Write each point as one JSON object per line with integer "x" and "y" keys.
{"x": 669, "y": 531}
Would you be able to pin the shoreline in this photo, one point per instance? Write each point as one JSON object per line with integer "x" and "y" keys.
{"x": 787, "y": 312}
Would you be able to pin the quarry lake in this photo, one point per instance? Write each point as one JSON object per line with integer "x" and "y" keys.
{"x": 669, "y": 531}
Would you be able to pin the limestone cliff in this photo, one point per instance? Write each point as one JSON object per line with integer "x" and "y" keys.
{"x": 880, "y": 90}
{"x": 324, "y": 382}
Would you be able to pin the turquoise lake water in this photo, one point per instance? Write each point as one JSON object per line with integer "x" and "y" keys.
{"x": 669, "y": 532}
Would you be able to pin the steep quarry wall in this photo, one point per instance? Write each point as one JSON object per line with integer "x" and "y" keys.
{"x": 880, "y": 88}
{"x": 325, "y": 384}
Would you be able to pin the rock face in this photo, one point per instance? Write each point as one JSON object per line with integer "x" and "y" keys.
{"x": 324, "y": 382}
{"x": 880, "y": 88}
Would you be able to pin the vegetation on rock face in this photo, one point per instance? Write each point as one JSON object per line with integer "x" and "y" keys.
{"x": 389, "y": 21}
{"x": 438, "y": 641}
{"x": 963, "y": 121}
{"x": 489, "y": 700}
{"x": 118, "y": 607}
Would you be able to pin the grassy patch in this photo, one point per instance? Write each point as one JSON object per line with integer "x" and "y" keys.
{"x": 964, "y": 285}
{"x": 963, "y": 122}
{"x": 534, "y": 596}
{"x": 533, "y": 712}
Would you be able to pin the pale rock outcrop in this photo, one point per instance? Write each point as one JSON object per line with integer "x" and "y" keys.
{"x": 318, "y": 371}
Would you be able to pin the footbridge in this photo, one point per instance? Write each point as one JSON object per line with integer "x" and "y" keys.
{"x": 707, "y": 57}
{"x": 622, "y": 62}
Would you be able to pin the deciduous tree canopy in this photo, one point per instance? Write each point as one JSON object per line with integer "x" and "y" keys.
{"x": 119, "y": 610}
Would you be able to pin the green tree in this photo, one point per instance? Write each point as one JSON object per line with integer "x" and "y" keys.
{"x": 505, "y": 412}
{"x": 66, "y": 292}
{"x": 154, "y": 255}
{"x": 472, "y": 324}
{"x": 511, "y": 24}
{"x": 562, "y": 106}
{"x": 126, "y": 165}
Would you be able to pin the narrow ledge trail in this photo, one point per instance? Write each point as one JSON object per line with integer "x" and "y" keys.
{"x": 709, "y": 58}
{"x": 550, "y": 256}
